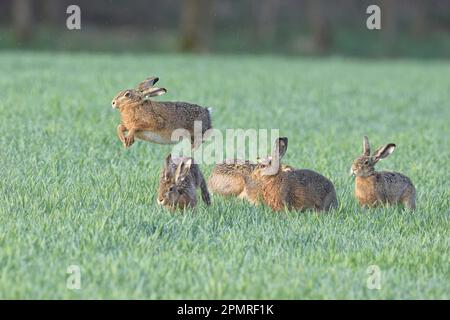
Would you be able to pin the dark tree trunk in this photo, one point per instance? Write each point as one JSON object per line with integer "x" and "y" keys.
{"x": 265, "y": 15}
{"x": 22, "y": 13}
{"x": 197, "y": 25}
{"x": 320, "y": 26}
{"x": 419, "y": 26}
{"x": 389, "y": 22}
{"x": 53, "y": 12}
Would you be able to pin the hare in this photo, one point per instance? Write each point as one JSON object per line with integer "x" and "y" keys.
{"x": 374, "y": 188}
{"x": 294, "y": 189}
{"x": 228, "y": 179}
{"x": 155, "y": 121}
{"x": 178, "y": 182}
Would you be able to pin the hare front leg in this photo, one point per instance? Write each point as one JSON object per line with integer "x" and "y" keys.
{"x": 129, "y": 139}
{"x": 121, "y": 133}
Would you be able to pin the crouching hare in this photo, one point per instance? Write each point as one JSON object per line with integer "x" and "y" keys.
{"x": 228, "y": 179}
{"x": 294, "y": 189}
{"x": 178, "y": 183}
{"x": 155, "y": 121}
{"x": 374, "y": 188}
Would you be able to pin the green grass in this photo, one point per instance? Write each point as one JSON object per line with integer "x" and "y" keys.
{"x": 70, "y": 194}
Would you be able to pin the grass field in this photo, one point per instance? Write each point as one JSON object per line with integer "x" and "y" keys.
{"x": 70, "y": 194}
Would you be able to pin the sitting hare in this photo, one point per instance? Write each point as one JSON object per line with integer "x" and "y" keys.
{"x": 373, "y": 188}
{"x": 228, "y": 179}
{"x": 155, "y": 121}
{"x": 294, "y": 189}
{"x": 178, "y": 183}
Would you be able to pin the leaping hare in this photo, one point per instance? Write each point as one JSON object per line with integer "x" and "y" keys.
{"x": 373, "y": 188}
{"x": 155, "y": 121}
{"x": 294, "y": 189}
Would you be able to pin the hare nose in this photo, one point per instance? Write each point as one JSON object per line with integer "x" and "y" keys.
{"x": 113, "y": 104}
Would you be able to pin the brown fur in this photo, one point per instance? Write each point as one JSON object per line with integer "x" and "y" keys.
{"x": 297, "y": 189}
{"x": 385, "y": 188}
{"x": 155, "y": 121}
{"x": 293, "y": 189}
{"x": 374, "y": 188}
{"x": 228, "y": 179}
{"x": 180, "y": 191}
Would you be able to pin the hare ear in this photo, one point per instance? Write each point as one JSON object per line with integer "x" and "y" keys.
{"x": 278, "y": 152}
{"x": 282, "y": 146}
{"x": 168, "y": 161}
{"x": 147, "y": 83}
{"x": 183, "y": 170}
{"x": 167, "y": 166}
{"x": 153, "y": 92}
{"x": 366, "y": 146}
{"x": 383, "y": 151}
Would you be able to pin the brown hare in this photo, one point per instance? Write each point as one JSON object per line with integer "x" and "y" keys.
{"x": 294, "y": 189}
{"x": 374, "y": 188}
{"x": 178, "y": 182}
{"x": 155, "y": 121}
{"x": 228, "y": 179}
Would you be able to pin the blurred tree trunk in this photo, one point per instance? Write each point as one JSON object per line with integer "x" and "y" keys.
{"x": 197, "y": 25}
{"x": 320, "y": 25}
{"x": 52, "y": 11}
{"x": 22, "y": 14}
{"x": 389, "y": 22}
{"x": 420, "y": 22}
{"x": 265, "y": 14}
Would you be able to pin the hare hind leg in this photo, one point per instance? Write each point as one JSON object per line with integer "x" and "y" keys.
{"x": 408, "y": 198}
{"x": 330, "y": 202}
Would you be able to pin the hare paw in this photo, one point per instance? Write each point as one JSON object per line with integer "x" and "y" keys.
{"x": 128, "y": 141}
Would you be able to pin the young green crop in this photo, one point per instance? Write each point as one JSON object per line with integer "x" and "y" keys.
{"x": 70, "y": 194}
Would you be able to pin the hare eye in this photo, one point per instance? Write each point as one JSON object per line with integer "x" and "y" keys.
{"x": 366, "y": 162}
{"x": 127, "y": 94}
{"x": 171, "y": 189}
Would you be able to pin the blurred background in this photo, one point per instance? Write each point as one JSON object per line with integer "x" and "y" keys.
{"x": 410, "y": 28}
